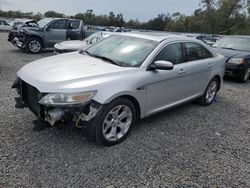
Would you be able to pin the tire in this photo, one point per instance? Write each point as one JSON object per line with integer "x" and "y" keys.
{"x": 244, "y": 78}
{"x": 34, "y": 45}
{"x": 107, "y": 128}
{"x": 210, "y": 93}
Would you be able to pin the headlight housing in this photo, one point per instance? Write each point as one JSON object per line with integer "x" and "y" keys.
{"x": 62, "y": 99}
{"x": 237, "y": 61}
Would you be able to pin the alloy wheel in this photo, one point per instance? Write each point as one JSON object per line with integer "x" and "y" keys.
{"x": 117, "y": 123}
{"x": 211, "y": 91}
{"x": 34, "y": 46}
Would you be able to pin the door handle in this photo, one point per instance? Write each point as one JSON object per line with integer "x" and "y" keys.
{"x": 182, "y": 71}
{"x": 209, "y": 65}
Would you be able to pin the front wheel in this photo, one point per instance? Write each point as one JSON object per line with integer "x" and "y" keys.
{"x": 244, "y": 78}
{"x": 210, "y": 92}
{"x": 114, "y": 122}
{"x": 34, "y": 45}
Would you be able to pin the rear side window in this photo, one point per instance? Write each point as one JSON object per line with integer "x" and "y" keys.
{"x": 172, "y": 53}
{"x": 59, "y": 24}
{"x": 74, "y": 24}
{"x": 196, "y": 52}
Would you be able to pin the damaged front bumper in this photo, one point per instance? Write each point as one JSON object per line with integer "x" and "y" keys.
{"x": 78, "y": 114}
{"x": 29, "y": 97}
{"x": 18, "y": 38}
{"x": 18, "y": 43}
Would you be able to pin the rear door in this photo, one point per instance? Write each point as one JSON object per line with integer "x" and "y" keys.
{"x": 55, "y": 32}
{"x": 75, "y": 30}
{"x": 198, "y": 67}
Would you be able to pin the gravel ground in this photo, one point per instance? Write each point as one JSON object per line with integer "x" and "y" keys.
{"x": 188, "y": 146}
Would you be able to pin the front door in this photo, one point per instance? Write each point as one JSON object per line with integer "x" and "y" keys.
{"x": 55, "y": 32}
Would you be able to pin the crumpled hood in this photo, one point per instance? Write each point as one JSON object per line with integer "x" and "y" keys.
{"x": 32, "y": 30}
{"x": 62, "y": 72}
{"x": 72, "y": 45}
{"x": 231, "y": 53}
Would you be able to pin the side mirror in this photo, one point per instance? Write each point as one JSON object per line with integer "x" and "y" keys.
{"x": 162, "y": 65}
{"x": 47, "y": 28}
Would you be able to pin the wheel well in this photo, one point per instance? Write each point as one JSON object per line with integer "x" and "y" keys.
{"x": 136, "y": 104}
{"x": 219, "y": 80}
{"x": 40, "y": 38}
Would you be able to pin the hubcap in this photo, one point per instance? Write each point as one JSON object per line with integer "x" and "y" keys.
{"x": 34, "y": 46}
{"x": 211, "y": 91}
{"x": 117, "y": 123}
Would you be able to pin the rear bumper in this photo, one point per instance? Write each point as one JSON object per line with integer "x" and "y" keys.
{"x": 62, "y": 51}
{"x": 58, "y": 49}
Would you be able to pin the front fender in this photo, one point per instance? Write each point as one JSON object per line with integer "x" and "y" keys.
{"x": 138, "y": 95}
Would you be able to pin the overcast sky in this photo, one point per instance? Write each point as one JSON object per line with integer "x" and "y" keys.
{"x": 141, "y": 9}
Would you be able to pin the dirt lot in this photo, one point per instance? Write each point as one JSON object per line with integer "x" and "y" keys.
{"x": 189, "y": 146}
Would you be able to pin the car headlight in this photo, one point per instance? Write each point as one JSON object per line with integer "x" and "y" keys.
{"x": 61, "y": 99}
{"x": 237, "y": 61}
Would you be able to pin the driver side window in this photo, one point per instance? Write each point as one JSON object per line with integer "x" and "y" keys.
{"x": 172, "y": 53}
{"x": 59, "y": 24}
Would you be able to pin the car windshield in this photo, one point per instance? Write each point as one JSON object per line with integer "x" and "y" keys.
{"x": 128, "y": 51}
{"x": 97, "y": 36}
{"x": 44, "y": 22}
{"x": 235, "y": 43}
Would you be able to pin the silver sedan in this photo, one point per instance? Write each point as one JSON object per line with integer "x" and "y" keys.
{"x": 123, "y": 78}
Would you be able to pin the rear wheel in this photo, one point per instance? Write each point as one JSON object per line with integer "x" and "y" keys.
{"x": 114, "y": 122}
{"x": 244, "y": 78}
{"x": 34, "y": 45}
{"x": 210, "y": 92}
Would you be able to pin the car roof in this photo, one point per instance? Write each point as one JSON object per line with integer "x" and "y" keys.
{"x": 239, "y": 36}
{"x": 63, "y": 19}
{"x": 156, "y": 36}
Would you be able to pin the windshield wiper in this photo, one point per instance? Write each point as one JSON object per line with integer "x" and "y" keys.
{"x": 229, "y": 48}
{"x": 108, "y": 59}
{"x": 85, "y": 51}
{"x": 102, "y": 57}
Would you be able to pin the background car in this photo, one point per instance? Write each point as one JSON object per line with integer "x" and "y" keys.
{"x": 48, "y": 32}
{"x": 74, "y": 45}
{"x": 119, "y": 80}
{"x": 18, "y": 23}
{"x": 237, "y": 51}
{"x": 4, "y": 26}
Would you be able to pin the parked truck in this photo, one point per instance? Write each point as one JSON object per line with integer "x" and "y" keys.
{"x": 46, "y": 34}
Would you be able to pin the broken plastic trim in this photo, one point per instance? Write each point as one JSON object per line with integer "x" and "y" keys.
{"x": 94, "y": 108}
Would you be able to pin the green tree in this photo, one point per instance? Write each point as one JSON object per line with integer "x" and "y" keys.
{"x": 53, "y": 14}
{"x": 112, "y": 19}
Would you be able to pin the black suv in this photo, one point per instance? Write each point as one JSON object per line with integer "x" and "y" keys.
{"x": 237, "y": 51}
